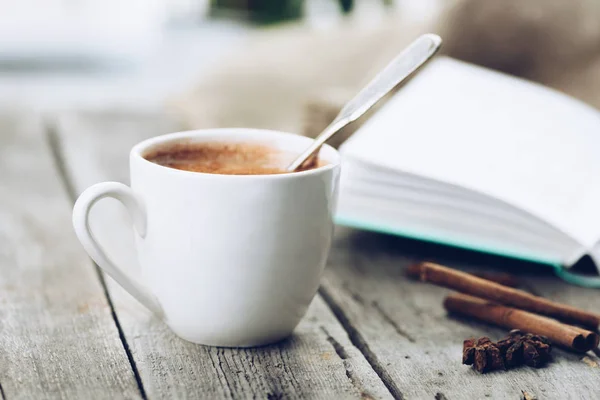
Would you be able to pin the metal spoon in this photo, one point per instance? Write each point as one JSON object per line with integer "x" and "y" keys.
{"x": 407, "y": 62}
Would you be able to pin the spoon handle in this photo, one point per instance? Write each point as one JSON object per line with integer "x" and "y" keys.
{"x": 401, "y": 67}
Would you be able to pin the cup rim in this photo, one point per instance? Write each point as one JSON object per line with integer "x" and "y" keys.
{"x": 137, "y": 151}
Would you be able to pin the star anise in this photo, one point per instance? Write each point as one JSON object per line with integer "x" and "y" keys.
{"x": 482, "y": 354}
{"x": 524, "y": 348}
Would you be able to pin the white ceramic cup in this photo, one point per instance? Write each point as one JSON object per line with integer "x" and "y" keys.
{"x": 226, "y": 260}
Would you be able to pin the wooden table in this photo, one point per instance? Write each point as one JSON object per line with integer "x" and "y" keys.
{"x": 67, "y": 331}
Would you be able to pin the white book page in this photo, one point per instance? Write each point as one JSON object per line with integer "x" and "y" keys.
{"x": 380, "y": 184}
{"x": 507, "y": 138}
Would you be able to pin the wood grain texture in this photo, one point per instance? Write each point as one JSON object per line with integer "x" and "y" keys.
{"x": 57, "y": 335}
{"x": 318, "y": 361}
{"x": 404, "y": 331}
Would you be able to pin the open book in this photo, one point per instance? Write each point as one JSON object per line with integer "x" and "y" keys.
{"x": 470, "y": 157}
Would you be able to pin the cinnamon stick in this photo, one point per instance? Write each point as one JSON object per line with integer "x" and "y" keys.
{"x": 414, "y": 271}
{"x": 572, "y": 337}
{"x": 470, "y": 284}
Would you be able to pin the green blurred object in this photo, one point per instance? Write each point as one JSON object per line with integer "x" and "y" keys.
{"x": 347, "y": 5}
{"x": 259, "y": 11}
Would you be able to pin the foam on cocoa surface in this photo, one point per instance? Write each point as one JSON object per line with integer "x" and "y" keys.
{"x": 219, "y": 158}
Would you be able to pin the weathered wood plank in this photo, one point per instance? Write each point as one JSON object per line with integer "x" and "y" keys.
{"x": 57, "y": 335}
{"x": 404, "y": 330}
{"x": 319, "y": 360}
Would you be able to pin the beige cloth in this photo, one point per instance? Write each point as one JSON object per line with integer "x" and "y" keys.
{"x": 294, "y": 78}
{"x": 554, "y": 42}
{"x": 269, "y": 82}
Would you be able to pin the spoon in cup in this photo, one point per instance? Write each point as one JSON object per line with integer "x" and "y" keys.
{"x": 400, "y": 68}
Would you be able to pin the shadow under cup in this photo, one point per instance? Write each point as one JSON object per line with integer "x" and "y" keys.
{"x": 234, "y": 260}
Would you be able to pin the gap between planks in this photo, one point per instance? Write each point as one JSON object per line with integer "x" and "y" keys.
{"x": 343, "y": 355}
{"x": 54, "y": 143}
{"x": 360, "y": 343}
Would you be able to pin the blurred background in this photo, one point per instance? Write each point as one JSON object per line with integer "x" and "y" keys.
{"x": 88, "y": 54}
{"x": 270, "y": 63}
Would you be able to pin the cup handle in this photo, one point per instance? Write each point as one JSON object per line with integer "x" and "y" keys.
{"x": 81, "y": 212}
